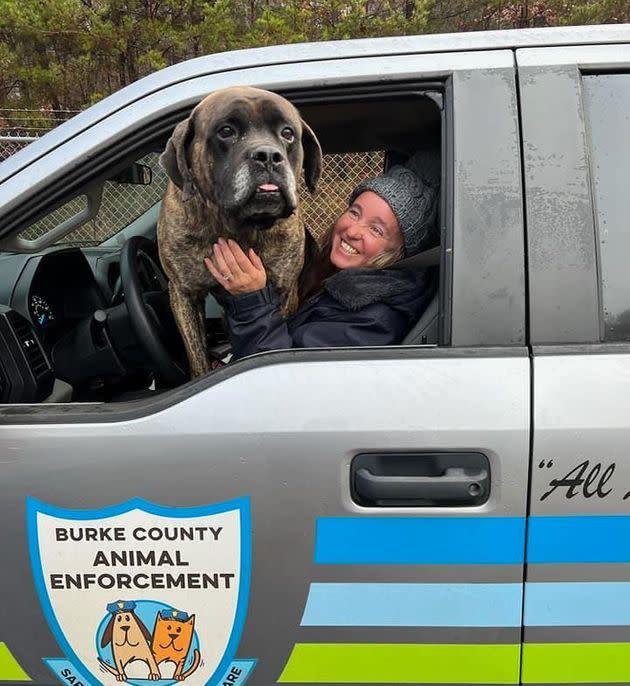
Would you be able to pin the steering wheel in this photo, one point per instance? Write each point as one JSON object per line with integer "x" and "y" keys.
{"x": 149, "y": 312}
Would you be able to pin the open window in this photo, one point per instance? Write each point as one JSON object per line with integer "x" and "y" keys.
{"x": 65, "y": 286}
{"x": 363, "y": 133}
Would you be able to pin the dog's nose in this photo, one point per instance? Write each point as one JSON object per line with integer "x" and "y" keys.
{"x": 267, "y": 156}
{"x": 125, "y": 627}
{"x": 173, "y": 636}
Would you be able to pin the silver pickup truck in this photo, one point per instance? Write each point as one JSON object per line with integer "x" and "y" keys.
{"x": 454, "y": 510}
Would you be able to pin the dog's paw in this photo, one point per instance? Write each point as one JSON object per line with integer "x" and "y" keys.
{"x": 154, "y": 676}
{"x": 120, "y": 677}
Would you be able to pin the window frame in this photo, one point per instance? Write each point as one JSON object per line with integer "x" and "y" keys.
{"x": 566, "y": 311}
{"x": 493, "y": 69}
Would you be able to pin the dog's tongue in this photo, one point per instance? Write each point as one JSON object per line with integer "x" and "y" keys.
{"x": 268, "y": 187}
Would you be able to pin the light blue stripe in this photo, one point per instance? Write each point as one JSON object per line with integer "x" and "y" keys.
{"x": 419, "y": 540}
{"x": 590, "y": 603}
{"x": 598, "y": 538}
{"x": 456, "y": 605}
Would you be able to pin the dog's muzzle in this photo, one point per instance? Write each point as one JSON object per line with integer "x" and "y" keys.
{"x": 262, "y": 188}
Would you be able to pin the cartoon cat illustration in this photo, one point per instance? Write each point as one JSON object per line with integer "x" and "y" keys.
{"x": 172, "y": 640}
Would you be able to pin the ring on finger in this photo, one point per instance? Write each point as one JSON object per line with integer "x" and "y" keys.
{"x": 227, "y": 276}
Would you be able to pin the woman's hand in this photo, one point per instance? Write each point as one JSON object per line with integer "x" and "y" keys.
{"x": 236, "y": 271}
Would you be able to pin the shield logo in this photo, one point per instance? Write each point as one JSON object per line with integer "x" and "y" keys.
{"x": 141, "y": 593}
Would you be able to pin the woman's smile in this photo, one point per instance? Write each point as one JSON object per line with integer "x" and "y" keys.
{"x": 346, "y": 247}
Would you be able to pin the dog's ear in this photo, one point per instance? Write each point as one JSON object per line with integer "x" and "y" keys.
{"x": 107, "y": 634}
{"x": 145, "y": 632}
{"x": 312, "y": 157}
{"x": 174, "y": 159}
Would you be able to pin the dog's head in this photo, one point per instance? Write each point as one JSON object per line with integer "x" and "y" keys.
{"x": 241, "y": 149}
{"x": 125, "y": 628}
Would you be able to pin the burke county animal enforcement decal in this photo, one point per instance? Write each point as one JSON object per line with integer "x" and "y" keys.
{"x": 144, "y": 594}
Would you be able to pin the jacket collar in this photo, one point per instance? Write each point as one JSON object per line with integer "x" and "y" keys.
{"x": 357, "y": 288}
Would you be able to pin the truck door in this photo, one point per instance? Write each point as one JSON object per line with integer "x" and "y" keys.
{"x": 323, "y": 517}
{"x": 577, "y": 617}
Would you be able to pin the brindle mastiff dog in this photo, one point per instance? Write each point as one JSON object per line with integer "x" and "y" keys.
{"x": 233, "y": 167}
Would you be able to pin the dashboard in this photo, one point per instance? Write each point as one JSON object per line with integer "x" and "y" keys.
{"x": 47, "y": 303}
{"x": 64, "y": 321}
{"x": 54, "y": 289}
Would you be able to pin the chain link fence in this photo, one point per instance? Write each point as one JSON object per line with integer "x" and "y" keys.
{"x": 341, "y": 173}
{"x": 9, "y": 145}
{"x": 122, "y": 203}
{"x": 19, "y": 127}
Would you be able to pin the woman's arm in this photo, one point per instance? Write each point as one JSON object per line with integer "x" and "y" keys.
{"x": 254, "y": 320}
{"x": 256, "y": 325}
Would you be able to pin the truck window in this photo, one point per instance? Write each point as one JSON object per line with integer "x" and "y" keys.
{"x": 607, "y": 108}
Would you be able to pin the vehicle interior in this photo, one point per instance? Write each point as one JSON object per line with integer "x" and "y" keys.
{"x": 80, "y": 276}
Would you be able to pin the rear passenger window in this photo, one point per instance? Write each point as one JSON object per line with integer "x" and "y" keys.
{"x": 607, "y": 106}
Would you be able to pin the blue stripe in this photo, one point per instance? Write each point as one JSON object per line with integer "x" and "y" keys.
{"x": 600, "y": 538}
{"x": 577, "y": 604}
{"x": 419, "y": 540}
{"x": 456, "y": 605}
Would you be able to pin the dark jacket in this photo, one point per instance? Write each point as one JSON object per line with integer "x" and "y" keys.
{"x": 355, "y": 307}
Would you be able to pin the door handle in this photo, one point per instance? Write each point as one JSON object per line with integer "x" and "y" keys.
{"x": 420, "y": 479}
{"x": 455, "y": 486}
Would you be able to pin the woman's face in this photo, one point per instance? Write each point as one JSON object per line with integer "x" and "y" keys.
{"x": 368, "y": 228}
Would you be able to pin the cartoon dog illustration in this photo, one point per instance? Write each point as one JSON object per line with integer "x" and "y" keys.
{"x": 172, "y": 639}
{"x": 130, "y": 640}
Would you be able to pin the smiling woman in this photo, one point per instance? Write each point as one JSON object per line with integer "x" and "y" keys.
{"x": 348, "y": 295}
{"x": 366, "y": 231}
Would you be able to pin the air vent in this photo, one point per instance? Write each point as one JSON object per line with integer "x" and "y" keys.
{"x": 29, "y": 344}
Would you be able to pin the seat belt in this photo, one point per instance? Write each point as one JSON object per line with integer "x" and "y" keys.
{"x": 427, "y": 258}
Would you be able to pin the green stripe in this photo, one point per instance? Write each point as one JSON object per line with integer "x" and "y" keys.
{"x": 567, "y": 663}
{"x": 10, "y": 670}
{"x": 379, "y": 663}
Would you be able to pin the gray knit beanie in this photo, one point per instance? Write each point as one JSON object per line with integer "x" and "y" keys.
{"x": 412, "y": 192}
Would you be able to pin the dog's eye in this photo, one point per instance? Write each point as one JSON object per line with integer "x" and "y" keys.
{"x": 119, "y": 618}
{"x": 179, "y": 629}
{"x": 287, "y": 134}
{"x": 126, "y": 618}
{"x": 226, "y": 132}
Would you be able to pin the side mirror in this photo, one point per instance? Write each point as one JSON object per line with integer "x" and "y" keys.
{"x": 136, "y": 174}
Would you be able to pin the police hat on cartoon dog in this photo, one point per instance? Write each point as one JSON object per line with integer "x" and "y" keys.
{"x": 121, "y": 606}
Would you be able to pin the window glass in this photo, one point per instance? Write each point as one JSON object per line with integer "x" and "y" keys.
{"x": 120, "y": 205}
{"x": 66, "y": 211}
{"x": 607, "y": 105}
